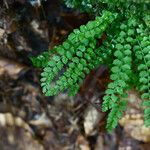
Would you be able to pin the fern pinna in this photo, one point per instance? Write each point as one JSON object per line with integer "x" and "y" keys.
{"x": 126, "y": 52}
{"x": 78, "y": 53}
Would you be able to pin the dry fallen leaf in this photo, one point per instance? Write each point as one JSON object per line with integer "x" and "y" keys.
{"x": 42, "y": 121}
{"x": 7, "y": 119}
{"x": 17, "y": 134}
{"x": 82, "y": 143}
{"x": 11, "y": 68}
{"x": 2, "y": 31}
{"x": 91, "y": 119}
{"x": 134, "y": 126}
{"x": 133, "y": 121}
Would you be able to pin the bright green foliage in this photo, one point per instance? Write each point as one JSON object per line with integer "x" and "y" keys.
{"x": 41, "y": 60}
{"x": 84, "y": 5}
{"x": 120, "y": 73}
{"x": 78, "y": 53}
{"x": 115, "y": 114}
{"x": 126, "y": 52}
{"x": 142, "y": 54}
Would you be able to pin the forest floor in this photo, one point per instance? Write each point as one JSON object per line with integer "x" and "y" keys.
{"x": 31, "y": 121}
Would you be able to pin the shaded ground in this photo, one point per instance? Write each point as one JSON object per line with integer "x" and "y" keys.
{"x": 28, "y": 119}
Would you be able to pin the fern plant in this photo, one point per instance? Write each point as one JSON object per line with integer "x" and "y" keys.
{"x": 126, "y": 52}
{"x": 79, "y": 54}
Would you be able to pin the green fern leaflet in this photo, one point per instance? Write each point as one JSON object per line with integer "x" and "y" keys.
{"x": 126, "y": 52}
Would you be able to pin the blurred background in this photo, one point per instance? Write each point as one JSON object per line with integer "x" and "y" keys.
{"x": 31, "y": 121}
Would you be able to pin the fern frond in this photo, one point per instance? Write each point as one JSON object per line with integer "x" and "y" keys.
{"x": 125, "y": 51}
{"x": 41, "y": 60}
{"x": 78, "y": 53}
{"x": 121, "y": 68}
{"x": 120, "y": 73}
{"x": 115, "y": 114}
{"x": 142, "y": 53}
